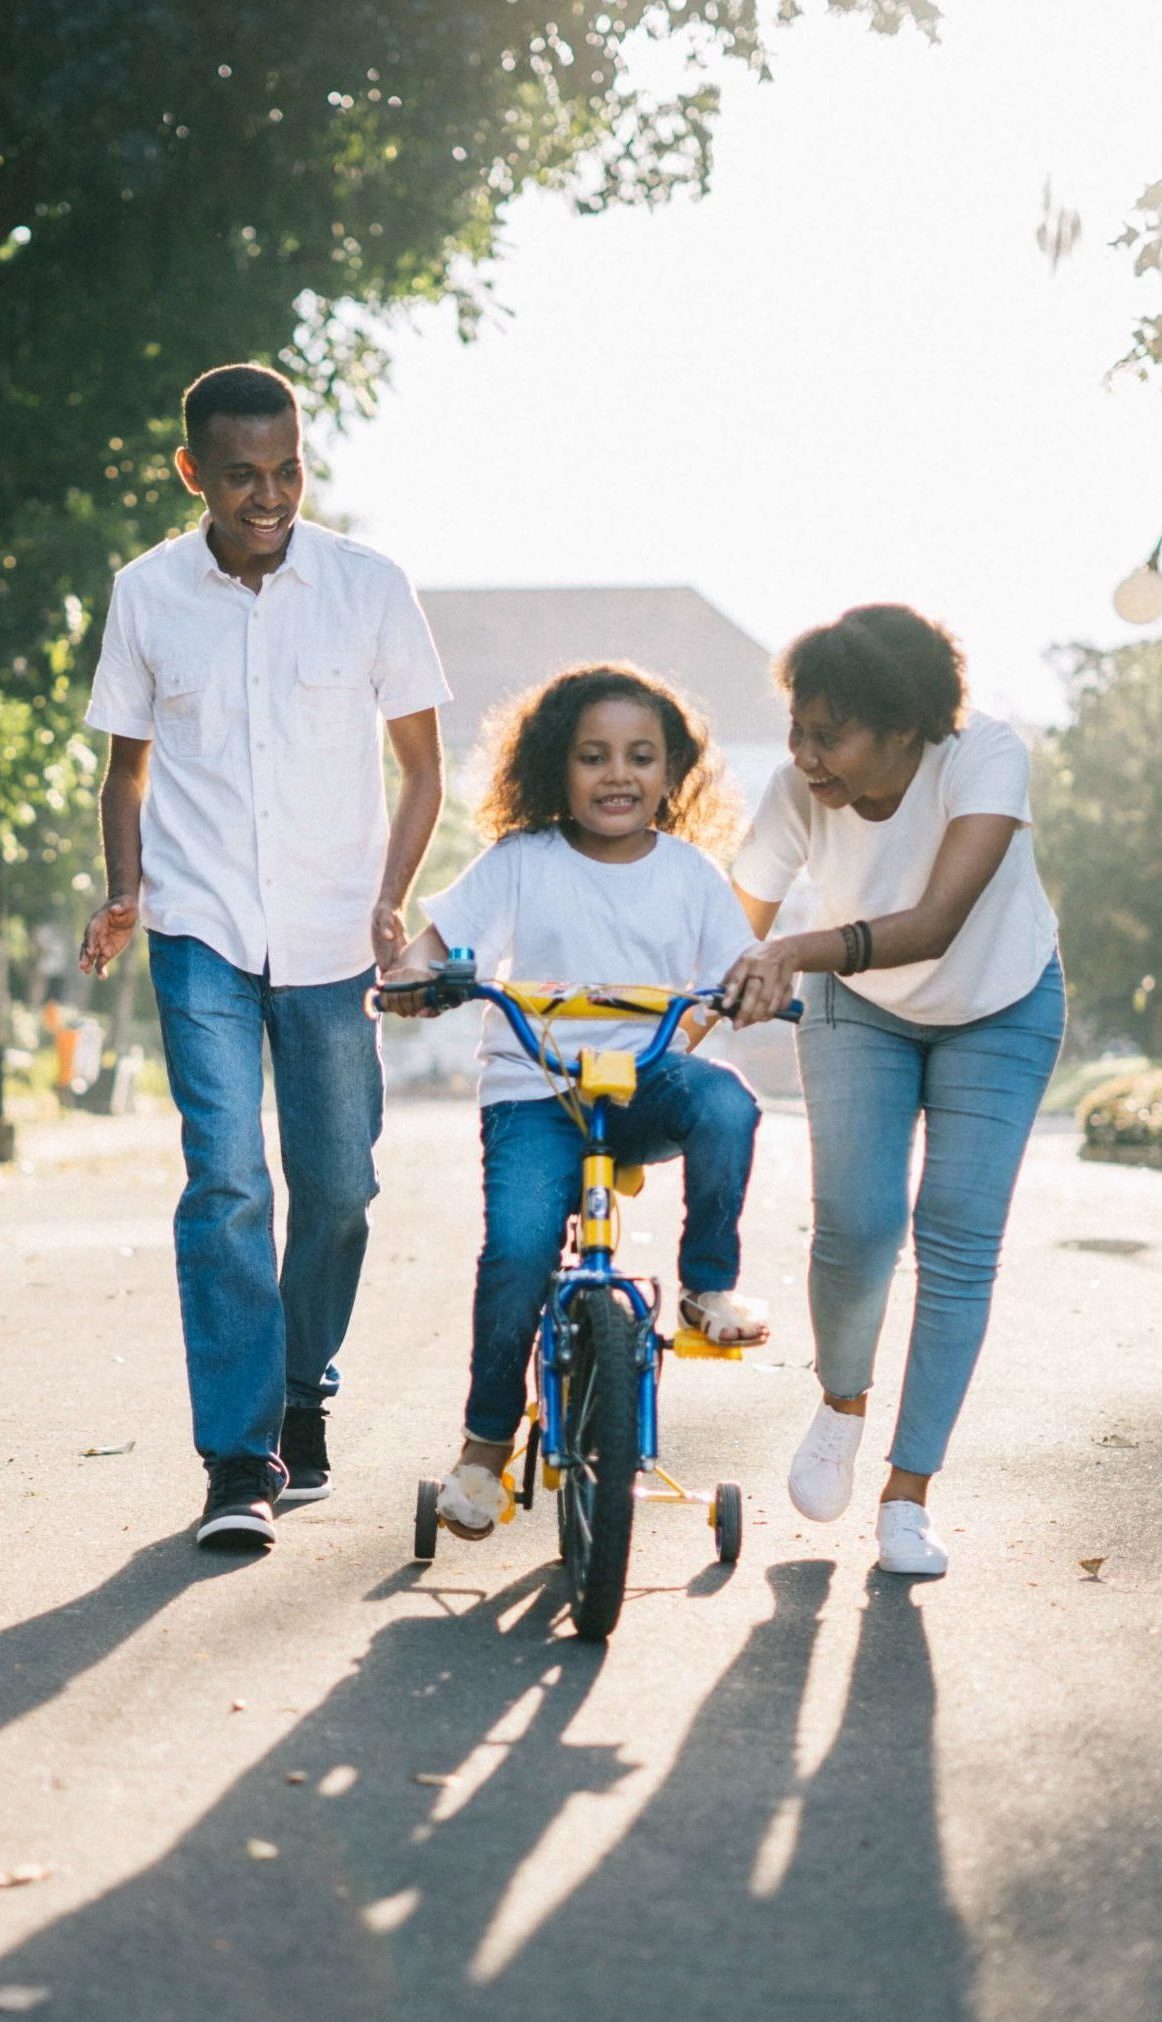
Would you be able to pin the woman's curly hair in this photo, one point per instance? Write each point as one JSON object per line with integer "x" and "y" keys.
{"x": 527, "y": 744}
{"x": 882, "y": 665}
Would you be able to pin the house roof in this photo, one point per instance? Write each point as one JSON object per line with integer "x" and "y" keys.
{"x": 493, "y": 643}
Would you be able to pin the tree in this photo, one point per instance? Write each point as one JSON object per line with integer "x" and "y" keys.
{"x": 184, "y": 182}
{"x": 1099, "y": 839}
{"x": 188, "y": 181}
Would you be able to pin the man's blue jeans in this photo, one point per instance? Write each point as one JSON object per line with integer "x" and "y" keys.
{"x": 695, "y": 1109}
{"x": 256, "y": 1338}
{"x": 868, "y": 1077}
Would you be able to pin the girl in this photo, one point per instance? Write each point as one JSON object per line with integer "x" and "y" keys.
{"x": 602, "y": 785}
{"x": 913, "y": 821}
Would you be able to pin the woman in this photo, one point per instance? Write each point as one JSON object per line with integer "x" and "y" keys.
{"x": 912, "y": 818}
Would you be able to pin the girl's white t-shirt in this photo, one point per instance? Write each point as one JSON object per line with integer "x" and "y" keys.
{"x": 534, "y": 908}
{"x": 864, "y": 869}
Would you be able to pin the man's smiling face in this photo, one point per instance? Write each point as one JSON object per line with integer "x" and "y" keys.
{"x": 249, "y": 470}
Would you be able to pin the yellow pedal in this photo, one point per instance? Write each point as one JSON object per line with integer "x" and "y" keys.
{"x": 550, "y": 1478}
{"x": 509, "y": 1486}
{"x": 629, "y": 1180}
{"x": 691, "y": 1345}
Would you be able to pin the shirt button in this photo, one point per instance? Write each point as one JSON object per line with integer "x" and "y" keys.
{"x": 254, "y": 680}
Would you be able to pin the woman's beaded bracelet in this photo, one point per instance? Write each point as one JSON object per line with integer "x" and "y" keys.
{"x": 857, "y": 948}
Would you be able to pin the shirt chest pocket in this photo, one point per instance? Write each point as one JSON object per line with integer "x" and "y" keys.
{"x": 334, "y": 699}
{"x": 187, "y": 715}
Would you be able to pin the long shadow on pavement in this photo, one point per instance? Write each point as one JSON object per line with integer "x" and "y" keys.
{"x": 746, "y": 1891}
{"x": 41, "y": 1656}
{"x": 382, "y": 1894}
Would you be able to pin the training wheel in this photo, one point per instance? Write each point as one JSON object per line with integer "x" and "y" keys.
{"x": 427, "y": 1520}
{"x": 728, "y": 1521}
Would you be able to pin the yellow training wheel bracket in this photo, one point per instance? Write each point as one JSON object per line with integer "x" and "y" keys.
{"x": 509, "y": 1486}
{"x": 611, "y": 1074}
{"x": 597, "y": 1201}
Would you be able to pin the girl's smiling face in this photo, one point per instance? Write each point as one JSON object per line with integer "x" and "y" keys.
{"x": 615, "y": 779}
{"x": 847, "y": 764}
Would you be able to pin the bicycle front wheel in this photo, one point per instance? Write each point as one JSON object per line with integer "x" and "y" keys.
{"x": 601, "y": 1440}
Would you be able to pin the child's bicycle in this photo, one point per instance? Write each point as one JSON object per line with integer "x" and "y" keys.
{"x": 599, "y": 1353}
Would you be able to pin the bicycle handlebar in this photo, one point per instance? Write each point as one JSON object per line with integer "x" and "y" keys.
{"x": 454, "y": 982}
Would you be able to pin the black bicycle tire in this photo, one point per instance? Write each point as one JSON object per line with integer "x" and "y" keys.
{"x": 603, "y": 1385}
{"x": 728, "y": 1522}
{"x": 427, "y": 1521}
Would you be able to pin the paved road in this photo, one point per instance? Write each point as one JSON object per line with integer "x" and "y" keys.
{"x": 801, "y": 1792}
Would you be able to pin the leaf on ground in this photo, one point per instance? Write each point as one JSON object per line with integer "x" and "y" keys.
{"x": 262, "y": 1850}
{"x": 1116, "y": 1439}
{"x": 95, "y": 1452}
{"x": 22, "y": 2000}
{"x": 1091, "y": 1566}
{"x": 19, "y": 1878}
{"x": 296, "y": 1776}
{"x": 451, "y": 1782}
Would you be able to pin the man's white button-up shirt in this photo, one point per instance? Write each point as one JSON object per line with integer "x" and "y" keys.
{"x": 264, "y": 830}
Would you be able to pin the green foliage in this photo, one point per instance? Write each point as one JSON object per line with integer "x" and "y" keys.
{"x": 182, "y": 185}
{"x": 1143, "y": 236}
{"x": 1098, "y": 786}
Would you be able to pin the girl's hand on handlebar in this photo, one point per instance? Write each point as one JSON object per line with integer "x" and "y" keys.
{"x": 761, "y": 983}
{"x": 412, "y": 1003}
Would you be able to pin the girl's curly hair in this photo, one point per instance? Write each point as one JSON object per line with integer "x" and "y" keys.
{"x": 527, "y": 744}
{"x": 882, "y": 665}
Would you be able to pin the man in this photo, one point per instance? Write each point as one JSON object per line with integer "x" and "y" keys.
{"x": 244, "y": 676}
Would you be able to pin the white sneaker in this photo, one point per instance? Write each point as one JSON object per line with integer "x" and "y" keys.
{"x": 823, "y": 1469}
{"x": 908, "y": 1541}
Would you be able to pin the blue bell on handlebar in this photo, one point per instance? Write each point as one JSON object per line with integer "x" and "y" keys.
{"x": 459, "y": 966}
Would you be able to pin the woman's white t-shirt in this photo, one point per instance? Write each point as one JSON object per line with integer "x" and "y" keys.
{"x": 864, "y": 869}
{"x": 534, "y": 908}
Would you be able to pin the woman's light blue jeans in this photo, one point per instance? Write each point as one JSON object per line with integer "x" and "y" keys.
{"x": 868, "y": 1077}
{"x": 258, "y": 1338}
{"x": 698, "y": 1110}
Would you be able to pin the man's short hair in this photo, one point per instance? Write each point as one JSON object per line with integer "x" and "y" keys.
{"x": 233, "y": 390}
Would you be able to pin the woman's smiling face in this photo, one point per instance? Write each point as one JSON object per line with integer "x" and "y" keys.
{"x": 847, "y": 764}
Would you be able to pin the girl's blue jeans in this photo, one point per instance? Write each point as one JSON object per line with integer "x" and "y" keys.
{"x": 698, "y": 1110}
{"x": 258, "y": 1338}
{"x": 868, "y": 1077}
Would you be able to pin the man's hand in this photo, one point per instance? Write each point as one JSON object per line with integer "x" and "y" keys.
{"x": 388, "y": 934}
{"x": 108, "y": 932}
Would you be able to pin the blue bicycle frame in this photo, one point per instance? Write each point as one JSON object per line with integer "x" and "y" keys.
{"x": 454, "y": 982}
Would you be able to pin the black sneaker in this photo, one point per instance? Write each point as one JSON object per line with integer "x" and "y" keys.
{"x": 303, "y": 1449}
{"x": 239, "y": 1503}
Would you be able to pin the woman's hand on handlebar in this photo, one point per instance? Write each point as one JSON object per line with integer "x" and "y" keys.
{"x": 761, "y": 983}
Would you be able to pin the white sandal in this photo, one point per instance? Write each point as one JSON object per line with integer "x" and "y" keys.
{"x": 472, "y": 1500}
{"x": 726, "y": 1318}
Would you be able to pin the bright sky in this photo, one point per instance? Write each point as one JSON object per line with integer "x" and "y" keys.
{"x": 845, "y": 376}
